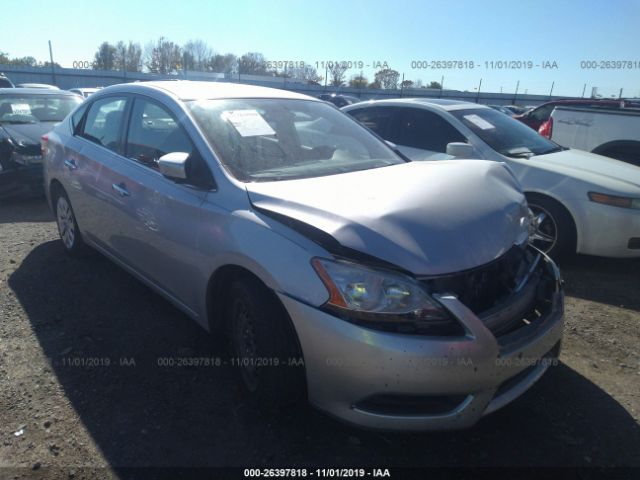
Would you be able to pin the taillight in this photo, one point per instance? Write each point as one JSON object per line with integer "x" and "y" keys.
{"x": 546, "y": 128}
{"x": 43, "y": 144}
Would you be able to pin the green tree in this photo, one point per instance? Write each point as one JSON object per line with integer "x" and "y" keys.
{"x": 434, "y": 85}
{"x": 105, "y": 57}
{"x": 222, "y": 63}
{"x": 387, "y": 78}
{"x": 163, "y": 56}
{"x": 358, "y": 81}
{"x": 128, "y": 57}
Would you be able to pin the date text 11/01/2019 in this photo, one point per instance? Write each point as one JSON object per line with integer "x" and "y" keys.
{"x": 487, "y": 64}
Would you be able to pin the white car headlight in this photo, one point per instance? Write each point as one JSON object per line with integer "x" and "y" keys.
{"x": 380, "y": 298}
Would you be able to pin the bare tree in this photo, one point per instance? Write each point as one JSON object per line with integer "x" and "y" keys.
{"x": 407, "y": 84}
{"x": 337, "y": 72}
{"x": 434, "y": 85}
{"x": 307, "y": 73}
{"x": 388, "y": 78}
{"x": 163, "y": 56}
{"x": 196, "y": 53}
{"x": 105, "y": 57}
{"x": 253, "y": 63}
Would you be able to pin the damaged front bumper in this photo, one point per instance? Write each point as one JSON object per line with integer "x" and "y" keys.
{"x": 392, "y": 381}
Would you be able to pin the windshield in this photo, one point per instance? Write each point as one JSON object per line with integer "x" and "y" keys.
{"x": 505, "y": 135}
{"x": 274, "y": 139}
{"x": 34, "y": 108}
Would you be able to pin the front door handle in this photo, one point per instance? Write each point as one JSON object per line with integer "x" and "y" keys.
{"x": 121, "y": 189}
{"x": 71, "y": 164}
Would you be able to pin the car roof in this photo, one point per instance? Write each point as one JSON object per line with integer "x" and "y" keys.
{"x": 35, "y": 91}
{"x": 438, "y": 103}
{"x": 192, "y": 90}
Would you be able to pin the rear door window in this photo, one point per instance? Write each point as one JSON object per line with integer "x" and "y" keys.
{"x": 418, "y": 128}
{"x": 104, "y": 123}
{"x": 377, "y": 119}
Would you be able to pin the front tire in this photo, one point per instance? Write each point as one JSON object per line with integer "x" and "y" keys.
{"x": 554, "y": 229}
{"x": 264, "y": 345}
{"x": 67, "y": 224}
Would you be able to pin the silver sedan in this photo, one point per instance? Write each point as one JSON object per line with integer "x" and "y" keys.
{"x": 391, "y": 294}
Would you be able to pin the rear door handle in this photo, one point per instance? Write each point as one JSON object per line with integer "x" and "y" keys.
{"x": 121, "y": 189}
{"x": 71, "y": 164}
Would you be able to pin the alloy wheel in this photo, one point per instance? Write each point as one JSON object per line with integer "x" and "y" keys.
{"x": 66, "y": 223}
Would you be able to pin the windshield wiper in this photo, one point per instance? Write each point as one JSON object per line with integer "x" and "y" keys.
{"x": 553, "y": 150}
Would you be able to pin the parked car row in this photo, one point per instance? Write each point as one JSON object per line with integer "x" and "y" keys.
{"x": 383, "y": 264}
{"x": 25, "y": 115}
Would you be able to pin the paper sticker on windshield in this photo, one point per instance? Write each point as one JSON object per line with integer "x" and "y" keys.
{"x": 21, "y": 108}
{"x": 479, "y": 122}
{"x": 248, "y": 123}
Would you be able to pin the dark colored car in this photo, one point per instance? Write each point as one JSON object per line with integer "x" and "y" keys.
{"x": 5, "y": 82}
{"x": 338, "y": 99}
{"x": 537, "y": 116}
{"x": 503, "y": 109}
{"x": 25, "y": 115}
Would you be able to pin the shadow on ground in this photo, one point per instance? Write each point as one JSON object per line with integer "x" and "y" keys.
{"x": 614, "y": 281}
{"x": 25, "y": 210}
{"x": 149, "y": 415}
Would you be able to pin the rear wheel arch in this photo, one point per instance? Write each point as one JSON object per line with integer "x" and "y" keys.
{"x": 621, "y": 150}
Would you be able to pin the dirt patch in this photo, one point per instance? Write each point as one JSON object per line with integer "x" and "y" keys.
{"x": 58, "y": 414}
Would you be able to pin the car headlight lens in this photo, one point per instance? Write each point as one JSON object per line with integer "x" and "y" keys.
{"x": 26, "y": 159}
{"x": 380, "y": 298}
{"x": 614, "y": 200}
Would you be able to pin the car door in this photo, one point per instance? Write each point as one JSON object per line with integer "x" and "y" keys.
{"x": 96, "y": 144}
{"x": 157, "y": 219}
{"x": 422, "y": 135}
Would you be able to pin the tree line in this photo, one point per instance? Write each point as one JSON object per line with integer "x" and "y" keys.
{"x": 166, "y": 57}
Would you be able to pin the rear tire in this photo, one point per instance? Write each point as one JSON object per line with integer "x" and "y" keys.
{"x": 555, "y": 231}
{"x": 67, "y": 226}
{"x": 264, "y": 345}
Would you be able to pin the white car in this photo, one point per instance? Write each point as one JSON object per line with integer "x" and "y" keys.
{"x": 582, "y": 202}
{"x": 84, "y": 92}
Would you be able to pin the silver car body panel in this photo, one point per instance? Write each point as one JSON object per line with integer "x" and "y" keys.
{"x": 415, "y": 227}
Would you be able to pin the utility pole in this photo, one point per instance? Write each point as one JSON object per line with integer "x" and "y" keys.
{"x": 53, "y": 71}
{"x": 516, "y": 94}
{"x": 402, "y": 86}
{"x": 620, "y": 96}
{"x": 551, "y": 91}
{"x": 583, "y": 90}
{"x": 441, "y": 85}
{"x": 478, "y": 94}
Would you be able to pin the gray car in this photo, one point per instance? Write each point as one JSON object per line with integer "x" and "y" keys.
{"x": 392, "y": 294}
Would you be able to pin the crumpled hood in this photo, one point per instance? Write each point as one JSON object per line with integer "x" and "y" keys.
{"x": 426, "y": 217}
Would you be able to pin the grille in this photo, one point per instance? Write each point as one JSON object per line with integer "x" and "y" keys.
{"x": 483, "y": 287}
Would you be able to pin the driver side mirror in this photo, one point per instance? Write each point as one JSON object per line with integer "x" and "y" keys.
{"x": 460, "y": 150}
{"x": 174, "y": 165}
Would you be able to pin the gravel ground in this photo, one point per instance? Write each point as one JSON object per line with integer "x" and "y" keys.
{"x": 61, "y": 419}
